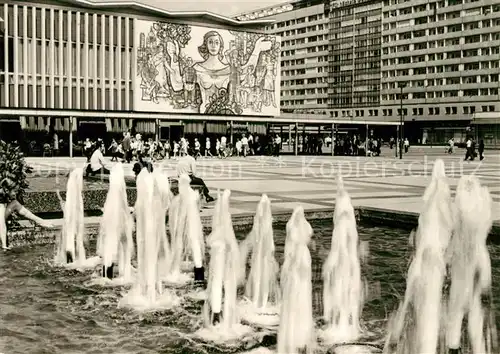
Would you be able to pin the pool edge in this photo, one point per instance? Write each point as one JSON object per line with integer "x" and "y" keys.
{"x": 30, "y": 235}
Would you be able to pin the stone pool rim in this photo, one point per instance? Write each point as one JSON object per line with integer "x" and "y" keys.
{"x": 33, "y": 235}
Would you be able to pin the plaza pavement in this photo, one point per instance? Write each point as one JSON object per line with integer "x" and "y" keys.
{"x": 383, "y": 182}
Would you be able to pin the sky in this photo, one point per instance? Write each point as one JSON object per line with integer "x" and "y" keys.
{"x": 227, "y": 8}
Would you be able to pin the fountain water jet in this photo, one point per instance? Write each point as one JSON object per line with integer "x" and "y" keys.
{"x": 70, "y": 246}
{"x": 147, "y": 292}
{"x": 165, "y": 197}
{"x": 262, "y": 287}
{"x": 115, "y": 243}
{"x": 296, "y": 328}
{"x": 186, "y": 234}
{"x": 222, "y": 322}
{"x": 417, "y": 325}
{"x": 470, "y": 270}
{"x": 343, "y": 287}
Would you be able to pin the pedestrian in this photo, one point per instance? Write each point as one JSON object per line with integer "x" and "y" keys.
{"x": 208, "y": 147}
{"x": 480, "y": 149}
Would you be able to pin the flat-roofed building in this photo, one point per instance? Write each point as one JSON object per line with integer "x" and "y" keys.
{"x": 441, "y": 62}
{"x": 100, "y": 67}
{"x": 303, "y": 27}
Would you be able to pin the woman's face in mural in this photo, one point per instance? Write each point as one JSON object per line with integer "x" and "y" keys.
{"x": 213, "y": 45}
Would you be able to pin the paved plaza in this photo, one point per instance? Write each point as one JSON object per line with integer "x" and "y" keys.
{"x": 383, "y": 182}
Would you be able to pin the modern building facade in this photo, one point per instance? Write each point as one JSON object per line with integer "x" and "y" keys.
{"x": 438, "y": 60}
{"x": 303, "y": 27}
{"x": 354, "y": 62}
{"x": 441, "y": 62}
{"x": 97, "y": 67}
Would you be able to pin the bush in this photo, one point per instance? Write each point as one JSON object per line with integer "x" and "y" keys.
{"x": 13, "y": 173}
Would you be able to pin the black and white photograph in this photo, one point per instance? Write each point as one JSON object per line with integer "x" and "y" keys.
{"x": 250, "y": 177}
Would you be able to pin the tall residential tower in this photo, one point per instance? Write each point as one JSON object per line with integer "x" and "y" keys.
{"x": 303, "y": 27}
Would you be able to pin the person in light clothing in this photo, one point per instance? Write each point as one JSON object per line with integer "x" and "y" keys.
{"x": 469, "y": 151}
{"x": 197, "y": 148}
{"x": 207, "y": 148}
{"x": 97, "y": 163}
{"x": 451, "y": 146}
{"x": 244, "y": 145}
{"x": 187, "y": 165}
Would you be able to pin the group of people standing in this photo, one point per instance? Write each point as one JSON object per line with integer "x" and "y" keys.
{"x": 470, "y": 149}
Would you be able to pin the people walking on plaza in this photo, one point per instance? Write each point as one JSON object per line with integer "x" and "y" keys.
{"x": 277, "y": 145}
{"x": 113, "y": 150}
{"x": 167, "y": 149}
{"x": 87, "y": 149}
{"x": 451, "y": 146}
{"x": 208, "y": 146}
{"x": 407, "y": 145}
{"x": 176, "y": 149}
{"x": 184, "y": 147}
{"x": 197, "y": 149}
{"x": 187, "y": 165}
{"x": 97, "y": 164}
{"x": 239, "y": 147}
{"x": 480, "y": 149}
{"x": 469, "y": 153}
{"x": 251, "y": 145}
{"x": 223, "y": 142}
{"x": 218, "y": 148}
{"x": 127, "y": 146}
{"x": 244, "y": 145}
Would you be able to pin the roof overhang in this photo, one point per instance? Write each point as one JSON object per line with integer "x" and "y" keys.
{"x": 136, "y": 5}
{"x": 184, "y": 117}
{"x": 265, "y": 12}
{"x": 491, "y": 118}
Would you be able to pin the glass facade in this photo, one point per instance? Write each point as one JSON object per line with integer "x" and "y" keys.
{"x": 354, "y": 60}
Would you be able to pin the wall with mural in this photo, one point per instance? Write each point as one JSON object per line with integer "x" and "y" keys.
{"x": 192, "y": 69}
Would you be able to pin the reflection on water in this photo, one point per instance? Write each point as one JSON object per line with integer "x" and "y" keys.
{"x": 49, "y": 310}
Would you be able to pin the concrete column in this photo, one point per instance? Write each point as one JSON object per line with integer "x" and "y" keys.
{"x": 157, "y": 129}
{"x": 319, "y": 136}
{"x": 71, "y": 136}
{"x": 333, "y": 139}
{"x": 366, "y": 141}
{"x": 281, "y": 136}
{"x": 296, "y": 147}
{"x": 303, "y": 137}
{"x": 231, "y": 133}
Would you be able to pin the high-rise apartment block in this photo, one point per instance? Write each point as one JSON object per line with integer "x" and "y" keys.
{"x": 441, "y": 60}
{"x": 365, "y": 59}
{"x": 303, "y": 27}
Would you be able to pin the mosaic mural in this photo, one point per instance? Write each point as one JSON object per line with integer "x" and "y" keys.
{"x": 192, "y": 69}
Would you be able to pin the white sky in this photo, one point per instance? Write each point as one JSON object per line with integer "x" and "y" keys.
{"x": 227, "y": 8}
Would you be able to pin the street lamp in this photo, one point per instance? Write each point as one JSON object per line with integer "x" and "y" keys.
{"x": 401, "y": 87}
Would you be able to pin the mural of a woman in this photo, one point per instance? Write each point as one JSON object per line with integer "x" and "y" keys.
{"x": 214, "y": 72}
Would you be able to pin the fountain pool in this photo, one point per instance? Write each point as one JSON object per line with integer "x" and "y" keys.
{"x": 45, "y": 309}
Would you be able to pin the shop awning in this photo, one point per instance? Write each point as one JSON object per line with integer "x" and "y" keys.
{"x": 35, "y": 124}
{"x": 93, "y": 115}
{"x": 193, "y": 127}
{"x": 489, "y": 121}
{"x": 62, "y": 124}
{"x": 146, "y": 127}
{"x": 118, "y": 125}
{"x": 217, "y": 128}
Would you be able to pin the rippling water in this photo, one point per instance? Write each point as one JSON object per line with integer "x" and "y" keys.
{"x": 50, "y": 310}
